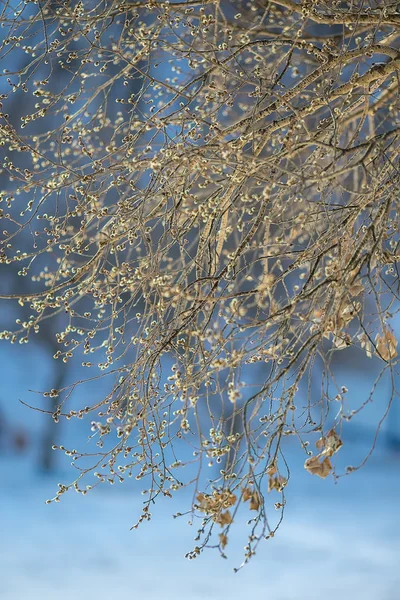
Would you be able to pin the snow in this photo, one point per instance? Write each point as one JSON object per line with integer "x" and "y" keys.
{"x": 336, "y": 541}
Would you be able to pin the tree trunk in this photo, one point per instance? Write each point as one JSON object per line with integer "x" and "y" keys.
{"x": 47, "y": 455}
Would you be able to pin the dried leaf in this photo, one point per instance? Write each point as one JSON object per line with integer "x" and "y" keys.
{"x": 373, "y": 261}
{"x": 328, "y": 445}
{"x": 224, "y": 518}
{"x": 386, "y": 345}
{"x": 272, "y": 469}
{"x": 226, "y": 498}
{"x": 223, "y": 540}
{"x": 347, "y": 312}
{"x": 247, "y": 493}
{"x": 275, "y": 483}
{"x": 322, "y": 469}
{"x": 212, "y": 504}
{"x": 341, "y": 340}
{"x": 202, "y": 500}
{"x": 356, "y": 286}
{"x": 366, "y": 344}
{"x": 356, "y": 289}
{"x": 255, "y": 501}
{"x": 332, "y": 443}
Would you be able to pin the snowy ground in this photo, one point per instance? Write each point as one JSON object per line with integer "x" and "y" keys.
{"x": 336, "y": 541}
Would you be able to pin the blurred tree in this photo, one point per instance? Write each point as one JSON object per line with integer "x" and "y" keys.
{"x": 210, "y": 184}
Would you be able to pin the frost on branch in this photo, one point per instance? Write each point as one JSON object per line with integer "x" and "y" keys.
{"x": 204, "y": 198}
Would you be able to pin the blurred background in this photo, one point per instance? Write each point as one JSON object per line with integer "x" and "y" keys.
{"x": 336, "y": 540}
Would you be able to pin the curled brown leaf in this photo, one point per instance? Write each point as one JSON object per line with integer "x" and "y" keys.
{"x": 315, "y": 467}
